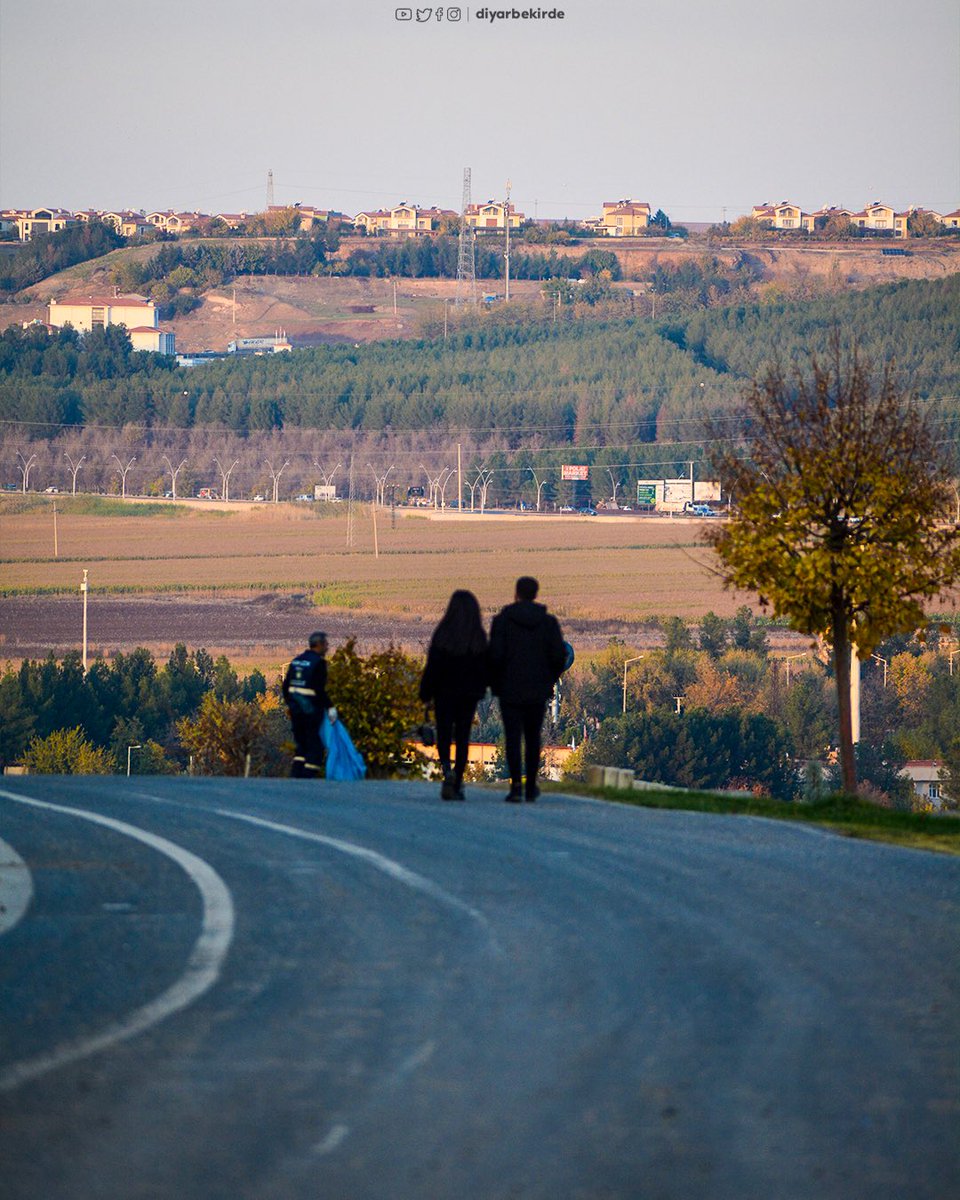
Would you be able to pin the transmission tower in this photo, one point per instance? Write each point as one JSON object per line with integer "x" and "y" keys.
{"x": 466, "y": 257}
{"x": 269, "y": 190}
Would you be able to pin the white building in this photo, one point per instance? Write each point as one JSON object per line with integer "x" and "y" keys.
{"x": 138, "y": 314}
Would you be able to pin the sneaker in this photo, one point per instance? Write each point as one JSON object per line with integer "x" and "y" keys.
{"x": 532, "y": 793}
{"x": 460, "y": 794}
{"x": 448, "y": 789}
{"x": 515, "y": 795}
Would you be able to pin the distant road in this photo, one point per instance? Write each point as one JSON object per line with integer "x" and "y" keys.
{"x": 268, "y": 990}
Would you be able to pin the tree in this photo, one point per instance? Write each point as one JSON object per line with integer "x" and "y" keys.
{"x": 840, "y": 489}
{"x": 377, "y": 699}
{"x": 226, "y": 732}
{"x": 713, "y": 634}
{"x": 67, "y": 752}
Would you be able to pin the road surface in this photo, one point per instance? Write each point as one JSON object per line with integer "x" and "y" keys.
{"x": 279, "y": 990}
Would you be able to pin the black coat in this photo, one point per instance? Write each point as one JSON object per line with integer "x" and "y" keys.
{"x": 448, "y": 676}
{"x": 305, "y": 684}
{"x": 527, "y": 653}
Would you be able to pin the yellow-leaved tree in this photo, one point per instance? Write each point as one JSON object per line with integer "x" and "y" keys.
{"x": 841, "y": 495}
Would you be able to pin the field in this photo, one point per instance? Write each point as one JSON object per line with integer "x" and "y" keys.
{"x": 249, "y": 578}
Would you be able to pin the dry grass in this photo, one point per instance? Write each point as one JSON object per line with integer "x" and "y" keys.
{"x": 597, "y": 568}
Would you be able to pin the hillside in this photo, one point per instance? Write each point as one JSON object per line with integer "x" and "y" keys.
{"x": 317, "y": 310}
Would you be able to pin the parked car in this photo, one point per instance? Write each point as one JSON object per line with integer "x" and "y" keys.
{"x": 701, "y": 510}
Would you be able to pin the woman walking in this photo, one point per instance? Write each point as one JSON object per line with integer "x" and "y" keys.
{"x": 455, "y": 679}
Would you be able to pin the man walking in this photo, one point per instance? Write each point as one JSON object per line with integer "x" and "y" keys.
{"x": 305, "y": 695}
{"x": 527, "y": 655}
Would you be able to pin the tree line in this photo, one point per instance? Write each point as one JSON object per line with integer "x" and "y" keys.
{"x": 744, "y": 719}
{"x": 47, "y": 253}
{"x": 574, "y": 377}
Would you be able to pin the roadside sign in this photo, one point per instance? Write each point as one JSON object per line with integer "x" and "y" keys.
{"x": 573, "y": 471}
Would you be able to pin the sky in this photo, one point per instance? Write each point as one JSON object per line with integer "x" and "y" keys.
{"x": 701, "y": 109}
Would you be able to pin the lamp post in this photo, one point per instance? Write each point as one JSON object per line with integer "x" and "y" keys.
{"x": 174, "y": 472}
{"x": 75, "y": 468}
{"x": 129, "y": 748}
{"x": 626, "y": 664}
{"x": 789, "y": 659}
{"x": 881, "y": 659}
{"x": 123, "y": 474}
{"x": 84, "y": 589}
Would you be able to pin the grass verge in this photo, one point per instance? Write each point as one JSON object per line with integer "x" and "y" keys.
{"x": 845, "y": 815}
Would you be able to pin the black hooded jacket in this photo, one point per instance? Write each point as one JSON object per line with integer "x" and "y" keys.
{"x": 527, "y": 653}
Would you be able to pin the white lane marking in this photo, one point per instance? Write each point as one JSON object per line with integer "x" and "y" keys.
{"x": 201, "y": 973}
{"x": 337, "y": 1134}
{"x": 16, "y": 887}
{"x": 380, "y": 862}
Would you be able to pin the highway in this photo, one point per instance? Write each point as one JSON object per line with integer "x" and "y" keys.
{"x": 218, "y": 989}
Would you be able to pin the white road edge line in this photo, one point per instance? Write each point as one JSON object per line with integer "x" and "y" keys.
{"x": 16, "y": 887}
{"x": 380, "y": 862}
{"x": 201, "y": 973}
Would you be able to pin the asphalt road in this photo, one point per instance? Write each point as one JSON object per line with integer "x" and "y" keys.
{"x": 275, "y": 990}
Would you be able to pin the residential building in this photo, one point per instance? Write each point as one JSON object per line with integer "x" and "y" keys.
{"x": 881, "y": 218}
{"x": 951, "y": 219}
{"x": 43, "y": 220}
{"x": 152, "y": 338}
{"x": 624, "y": 218}
{"x": 924, "y": 775}
{"x": 372, "y": 223}
{"x": 783, "y": 216}
{"x": 137, "y": 313}
{"x": 403, "y": 220}
{"x": 493, "y": 215}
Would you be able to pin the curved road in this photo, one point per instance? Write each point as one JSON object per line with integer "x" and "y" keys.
{"x": 272, "y": 990}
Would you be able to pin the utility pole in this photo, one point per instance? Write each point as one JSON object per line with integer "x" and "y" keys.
{"x": 466, "y": 252}
{"x": 460, "y": 486}
{"x": 506, "y": 252}
{"x": 84, "y": 588}
{"x": 56, "y": 551}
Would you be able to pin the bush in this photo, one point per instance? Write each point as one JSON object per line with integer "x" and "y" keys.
{"x": 67, "y": 752}
{"x": 377, "y": 698}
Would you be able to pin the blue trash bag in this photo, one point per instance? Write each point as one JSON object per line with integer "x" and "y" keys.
{"x": 344, "y": 761}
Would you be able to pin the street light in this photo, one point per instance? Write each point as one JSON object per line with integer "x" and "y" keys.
{"x": 881, "y": 659}
{"x": 123, "y": 474}
{"x": 625, "y": 665}
{"x": 129, "y": 748}
{"x": 789, "y": 658}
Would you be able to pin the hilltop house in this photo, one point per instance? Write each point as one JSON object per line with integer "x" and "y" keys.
{"x": 783, "y": 216}
{"x": 623, "y": 218}
{"x": 404, "y": 220}
{"x": 43, "y": 220}
{"x": 138, "y": 314}
{"x": 493, "y": 215}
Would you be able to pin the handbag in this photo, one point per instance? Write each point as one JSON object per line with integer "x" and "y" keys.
{"x": 344, "y": 761}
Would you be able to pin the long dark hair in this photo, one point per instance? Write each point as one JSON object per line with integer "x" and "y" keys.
{"x": 461, "y": 628}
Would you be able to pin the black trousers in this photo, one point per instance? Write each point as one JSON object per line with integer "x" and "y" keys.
{"x": 308, "y": 758}
{"x": 454, "y": 720}
{"x": 523, "y": 721}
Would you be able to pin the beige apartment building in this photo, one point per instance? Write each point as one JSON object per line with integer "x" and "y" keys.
{"x": 138, "y": 314}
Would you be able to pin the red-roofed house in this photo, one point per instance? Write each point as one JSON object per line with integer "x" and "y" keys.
{"x": 137, "y": 313}
{"x": 783, "y": 216}
{"x": 624, "y": 218}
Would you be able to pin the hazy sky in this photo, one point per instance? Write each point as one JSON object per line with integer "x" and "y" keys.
{"x": 702, "y": 109}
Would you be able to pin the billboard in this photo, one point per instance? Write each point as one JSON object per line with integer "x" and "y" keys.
{"x": 572, "y": 471}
